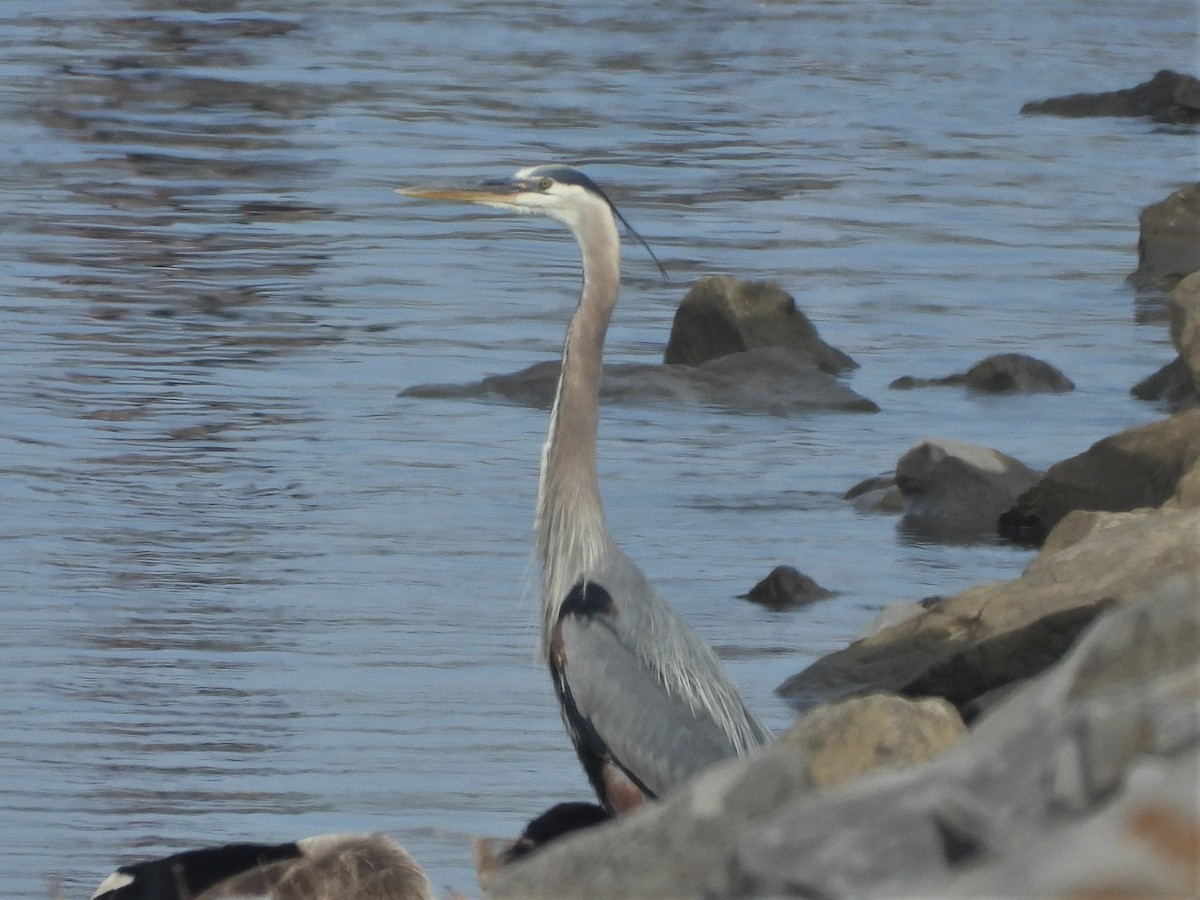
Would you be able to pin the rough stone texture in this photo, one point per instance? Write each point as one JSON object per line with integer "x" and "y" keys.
{"x": 845, "y": 740}
{"x": 954, "y": 491}
{"x": 1002, "y": 373}
{"x": 770, "y": 380}
{"x": 1178, "y": 382}
{"x": 1167, "y": 97}
{"x": 1135, "y": 468}
{"x": 1184, "y": 311}
{"x": 1000, "y": 632}
{"x": 1171, "y": 386}
{"x": 1146, "y": 843}
{"x": 721, "y": 315}
{"x": 1169, "y": 239}
{"x": 1050, "y": 763}
{"x": 1187, "y": 495}
{"x": 786, "y": 587}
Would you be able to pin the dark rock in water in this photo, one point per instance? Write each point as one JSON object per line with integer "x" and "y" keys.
{"x": 954, "y": 491}
{"x": 769, "y": 380}
{"x": 1168, "y": 97}
{"x": 740, "y": 346}
{"x": 721, "y": 315}
{"x": 998, "y": 374}
{"x": 786, "y": 587}
{"x": 1168, "y": 240}
{"x": 1136, "y": 468}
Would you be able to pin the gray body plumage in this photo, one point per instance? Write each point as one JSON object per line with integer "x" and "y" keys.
{"x": 640, "y": 691}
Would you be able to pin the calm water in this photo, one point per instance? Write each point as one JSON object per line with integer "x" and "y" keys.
{"x": 251, "y": 593}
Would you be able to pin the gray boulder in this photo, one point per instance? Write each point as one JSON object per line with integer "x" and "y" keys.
{"x": 1168, "y": 240}
{"x": 1167, "y": 97}
{"x": 955, "y": 491}
{"x": 1138, "y": 467}
{"x": 721, "y": 316}
{"x": 1002, "y": 373}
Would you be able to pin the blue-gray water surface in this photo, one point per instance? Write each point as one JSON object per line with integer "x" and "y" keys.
{"x": 251, "y": 593}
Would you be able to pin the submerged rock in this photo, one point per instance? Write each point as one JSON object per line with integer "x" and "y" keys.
{"x": 786, "y": 587}
{"x": 721, "y": 315}
{"x": 769, "y": 380}
{"x": 955, "y": 491}
{"x": 1002, "y": 373}
{"x": 1167, "y": 97}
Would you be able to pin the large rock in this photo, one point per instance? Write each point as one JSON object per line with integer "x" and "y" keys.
{"x": 1138, "y": 467}
{"x": 999, "y": 633}
{"x": 1178, "y": 382}
{"x": 1169, "y": 240}
{"x": 721, "y": 315}
{"x": 1167, "y": 97}
{"x": 1142, "y": 844}
{"x": 1064, "y": 751}
{"x": 954, "y": 491}
{"x": 1002, "y": 373}
{"x": 768, "y": 380}
{"x": 1184, "y": 311}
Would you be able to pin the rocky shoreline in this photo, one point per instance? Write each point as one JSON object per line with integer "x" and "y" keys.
{"x": 1032, "y": 737}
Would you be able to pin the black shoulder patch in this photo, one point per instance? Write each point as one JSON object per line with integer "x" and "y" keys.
{"x": 588, "y": 600}
{"x": 184, "y": 875}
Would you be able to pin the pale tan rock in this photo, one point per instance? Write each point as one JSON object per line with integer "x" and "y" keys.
{"x": 842, "y": 741}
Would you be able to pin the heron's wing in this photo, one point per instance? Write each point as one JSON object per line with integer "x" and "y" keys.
{"x": 616, "y": 705}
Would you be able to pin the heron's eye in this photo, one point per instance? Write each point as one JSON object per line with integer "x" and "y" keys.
{"x": 545, "y": 184}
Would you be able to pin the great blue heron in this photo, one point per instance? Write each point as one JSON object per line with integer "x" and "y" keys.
{"x": 644, "y": 698}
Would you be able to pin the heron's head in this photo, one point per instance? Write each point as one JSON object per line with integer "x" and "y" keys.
{"x": 559, "y": 192}
{"x": 556, "y": 191}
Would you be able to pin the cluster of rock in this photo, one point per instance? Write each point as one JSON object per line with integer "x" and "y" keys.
{"x": 1080, "y": 781}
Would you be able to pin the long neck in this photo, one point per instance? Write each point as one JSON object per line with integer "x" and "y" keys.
{"x": 571, "y": 532}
